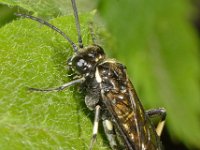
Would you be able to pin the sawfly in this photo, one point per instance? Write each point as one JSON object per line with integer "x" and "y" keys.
{"x": 110, "y": 95}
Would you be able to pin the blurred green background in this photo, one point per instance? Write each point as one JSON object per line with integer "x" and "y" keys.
{"x": 158, "y": 41}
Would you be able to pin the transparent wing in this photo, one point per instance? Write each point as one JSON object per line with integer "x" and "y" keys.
{"x": 124, "y": 106}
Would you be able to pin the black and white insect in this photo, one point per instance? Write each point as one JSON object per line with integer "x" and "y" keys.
{"x": 111, "y": 95}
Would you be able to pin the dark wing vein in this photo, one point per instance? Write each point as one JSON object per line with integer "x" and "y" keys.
{"x": 125, "y": 108}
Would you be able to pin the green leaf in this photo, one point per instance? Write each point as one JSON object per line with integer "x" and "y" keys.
{"x": 32, "y": 55}
{"x": 160, "y": 50}
{"x": 152, "y": 38}
{"x": 50, "y": 8}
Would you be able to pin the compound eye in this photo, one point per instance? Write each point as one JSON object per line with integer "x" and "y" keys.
{"x": 81, "y": 65}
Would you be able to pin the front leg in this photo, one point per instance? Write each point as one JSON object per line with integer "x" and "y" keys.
{"x": 60, "y": 88}
{"x": 95, "y": 126}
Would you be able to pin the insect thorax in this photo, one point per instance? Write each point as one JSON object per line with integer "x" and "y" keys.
{"x": 108, "y": 76}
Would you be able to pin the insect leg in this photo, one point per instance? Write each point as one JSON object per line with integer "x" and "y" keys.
{"x": 109, "y": 131}
{"x": 60, "y": 88}
{"x": 160, "y": 112}
{"x": 95, "y": 127}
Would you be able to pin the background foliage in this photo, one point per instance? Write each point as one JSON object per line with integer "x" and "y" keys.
{"x": 154, "y": 39}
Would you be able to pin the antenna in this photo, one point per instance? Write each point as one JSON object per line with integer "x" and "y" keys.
{"x": 75, "y": 48}
{"x": 80, "y": 42}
